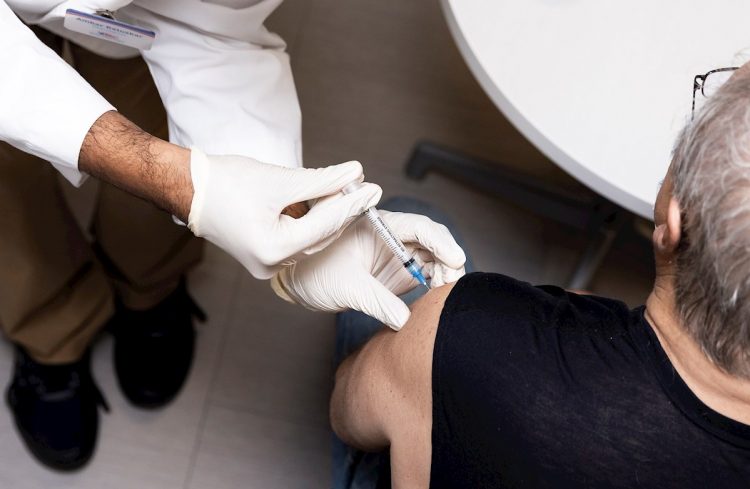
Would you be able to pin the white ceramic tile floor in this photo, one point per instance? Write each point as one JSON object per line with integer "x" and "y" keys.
{"x": 374, "y": 77}
{"x": 244, "y": 450}
{"x": 268, "y": 364}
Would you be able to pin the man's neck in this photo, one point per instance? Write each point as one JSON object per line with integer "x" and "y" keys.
{"x": 724, "y": 393}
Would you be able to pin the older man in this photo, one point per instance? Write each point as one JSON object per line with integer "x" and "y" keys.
{"x": 496, "y": 383}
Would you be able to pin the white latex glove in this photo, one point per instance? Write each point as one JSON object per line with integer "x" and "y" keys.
{"x": 358, "y": 271}
{"x": 237, "y": 205}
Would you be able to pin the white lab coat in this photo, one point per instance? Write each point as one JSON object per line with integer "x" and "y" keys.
{"x": 224, "y": 79}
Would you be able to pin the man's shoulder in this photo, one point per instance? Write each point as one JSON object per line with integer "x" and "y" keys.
{"x": 498, "y": 334}
{"x": 499, "y": 302}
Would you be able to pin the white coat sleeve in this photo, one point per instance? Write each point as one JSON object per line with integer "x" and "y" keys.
{"x": 46, "y": 108}
{"x": 226, "y": 95}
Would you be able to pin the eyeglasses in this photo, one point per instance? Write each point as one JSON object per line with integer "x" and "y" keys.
{"x": 709, "y": 83}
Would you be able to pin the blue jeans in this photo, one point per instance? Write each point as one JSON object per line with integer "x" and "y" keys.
{"x": 354, "y": 469}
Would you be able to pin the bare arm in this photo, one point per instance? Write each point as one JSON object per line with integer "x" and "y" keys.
{"x": 383, "y": 393}
{"x": 119, "y": 152}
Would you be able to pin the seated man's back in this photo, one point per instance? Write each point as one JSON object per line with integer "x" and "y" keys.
{"x": 533, "y": 387}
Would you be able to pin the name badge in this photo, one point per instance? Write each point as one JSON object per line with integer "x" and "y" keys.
{"x": 109, "y": 29}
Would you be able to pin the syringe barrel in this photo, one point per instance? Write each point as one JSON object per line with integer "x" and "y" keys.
{"x": 382, "y": 229}
{"x": 385, "y": 233}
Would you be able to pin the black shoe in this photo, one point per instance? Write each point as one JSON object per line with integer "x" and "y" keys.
{"x": 154, "y": 348}
{"x": 55, "y": 410}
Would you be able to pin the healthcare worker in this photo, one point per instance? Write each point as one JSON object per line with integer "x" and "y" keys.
{"x": 227, "y": 87}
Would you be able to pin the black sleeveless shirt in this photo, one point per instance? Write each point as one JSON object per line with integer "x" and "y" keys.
{"x": 536, "y": 387}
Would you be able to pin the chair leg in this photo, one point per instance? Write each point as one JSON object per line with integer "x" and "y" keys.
{"x": 600, "y": 243}
{"x": 600, "y": 217}
{"x": 503, "y": 182}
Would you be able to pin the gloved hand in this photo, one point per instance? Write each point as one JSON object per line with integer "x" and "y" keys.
{"x": 358, "y": 271}
{"x": 237, "y": 204}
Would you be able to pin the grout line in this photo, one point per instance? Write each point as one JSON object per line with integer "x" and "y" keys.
{"x": 212, "y": 382}
{"x": 312, "y": 424}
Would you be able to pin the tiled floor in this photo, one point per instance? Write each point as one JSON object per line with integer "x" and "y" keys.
{"x": 374, "y": 77}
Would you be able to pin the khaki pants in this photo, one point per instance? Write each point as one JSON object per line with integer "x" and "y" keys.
{"x": 57, "y": 289}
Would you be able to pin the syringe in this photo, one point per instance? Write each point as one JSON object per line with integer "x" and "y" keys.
{"x": 385, "y": 233}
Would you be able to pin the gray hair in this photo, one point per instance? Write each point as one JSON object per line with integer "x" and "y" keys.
{"x": 711, "y": 176}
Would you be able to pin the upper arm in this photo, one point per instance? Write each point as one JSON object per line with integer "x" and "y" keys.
{"x": 383, "y": 393}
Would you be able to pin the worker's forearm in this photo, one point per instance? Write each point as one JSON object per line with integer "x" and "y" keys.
{"x": 119, "y": 152}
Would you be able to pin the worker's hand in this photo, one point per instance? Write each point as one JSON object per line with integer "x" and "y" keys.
{"x": 238, "y": 202}
{"x": 358, "y": 271}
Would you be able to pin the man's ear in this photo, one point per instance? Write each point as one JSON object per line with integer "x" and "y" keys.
{"x": 667, "y": 235}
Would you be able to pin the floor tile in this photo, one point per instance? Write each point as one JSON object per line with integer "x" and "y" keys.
{"x": 374, "y": 77}
{"x": 277, "y": 358}
{"x": 243, "y": 450}
{"x": 288, "y": 20}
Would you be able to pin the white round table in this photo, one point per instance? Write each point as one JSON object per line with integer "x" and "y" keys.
{"x": 601, "y": 87}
